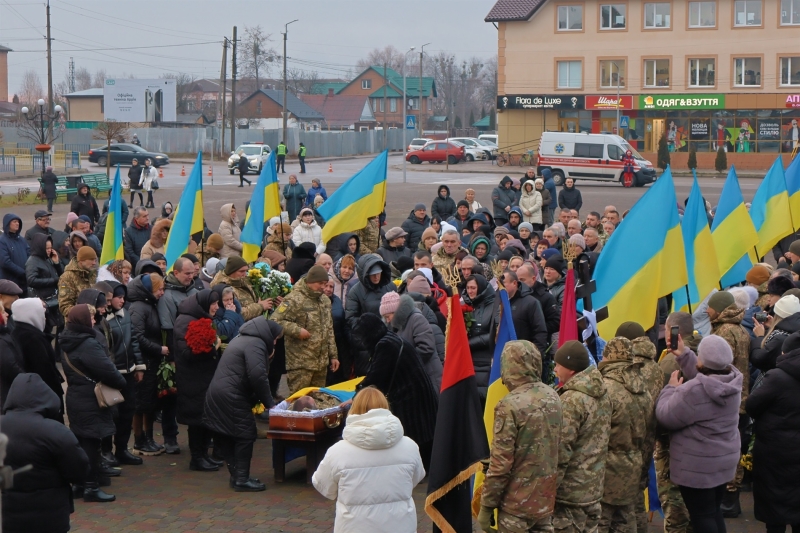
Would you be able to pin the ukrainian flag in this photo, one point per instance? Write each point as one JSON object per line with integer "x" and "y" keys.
{"x": 642, "y": 261}
{"x": 188, "y": 218}
{"x": 264, "y": 204}
{"x": 793, "y": 188}
{"x": 701, "y": 259}
{"x": 358, "y": 199}
{"x": 733, "y": 233}
{"x": 112, "y": 242}
{"x": 769, "y": 209}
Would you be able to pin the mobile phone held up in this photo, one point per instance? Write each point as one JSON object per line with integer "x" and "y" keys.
{"x": 761, "y": 317}
{"x": 673, "y": 338}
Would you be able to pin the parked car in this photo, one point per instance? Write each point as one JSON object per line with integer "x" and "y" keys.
{"x": 438, "y": 152}
{"x": 471, "y": 142}
{"x": 257, "y": 154}
{"x": 491, "y": 147}
{"x": 471, "y": 153}
{"x": 418, "y": 143}
{"x": 123, "y": 154}
{"x": 491, "y": 137}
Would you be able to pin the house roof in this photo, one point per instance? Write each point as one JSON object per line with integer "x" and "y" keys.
{"x": 482, "y": 123}
{"x": 94, "y": 92}
{"x": 208, "y": 86}
{"x": 391, "y": 92}
{"x": 395, "y": 79}
{"x": 192, "y": 118}
{"x": 513, "y": 10}
{"x": 322, "y": 88}
{"x": 294, "y": 105}
{"x": 340, "y": 110}
{"x": 5, "y": 49}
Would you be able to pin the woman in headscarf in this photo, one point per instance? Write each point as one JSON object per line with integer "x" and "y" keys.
{"x": 479, "y": 294}
{"x": 479, "y": 248}
{"x": 42, "y": 270}
{"x": 344, "y": 276}
{"x": 302, "y": 260}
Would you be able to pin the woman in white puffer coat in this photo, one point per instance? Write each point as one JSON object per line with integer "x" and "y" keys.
{"x": 372, "y": 472}
{"x": 531, "y": 204}
{"x": 308, "y": 231}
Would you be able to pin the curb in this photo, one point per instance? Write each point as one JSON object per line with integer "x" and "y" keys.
{"x": 752, "y": 174}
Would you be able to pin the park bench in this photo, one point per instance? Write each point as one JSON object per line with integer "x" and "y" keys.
{"x": 97, "y": 183}
{"x": 62, "y": 187}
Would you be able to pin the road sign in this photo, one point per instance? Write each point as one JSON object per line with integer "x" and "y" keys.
{"x": 411, "y": 122}
{"x": 624, "y": 121}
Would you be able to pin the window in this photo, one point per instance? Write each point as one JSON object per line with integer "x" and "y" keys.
{"x": 702, "y": 14}
{"x": 588, "y": 150}
{"x": 656, "y": 73}
{"x": 615, "y": 152}
{"x": 571, "y": 18}
{"x": 612, "y": 72}
{"x": 366, "y": 84}
{"x": 701, "y": 72}
{"x": 258, "y": 108}
{"x": 393, "y": 105}
{"x": 790, "y": 12}
{"x": 570, "y": 75}
{"x": 747, "y": 71}
{"x": 612, "y": 16}
{"x": 190, "y": 105}
{"x": 656, "y": 15}
{"x": 790, "y": 70}
{"x": 747, "y": 13}
{"x": 377, "y": 104}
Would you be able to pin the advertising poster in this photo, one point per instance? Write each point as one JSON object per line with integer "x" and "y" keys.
{"x": 698, "y": 129}
{"x": 133, "y": 100}
{"x": 769, "y": 129}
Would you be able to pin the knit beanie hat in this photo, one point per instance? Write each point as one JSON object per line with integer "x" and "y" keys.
{"x": 557, "y": 263}
{"x": 316, "y": 274}
{"x": 464, "y": 203}
{"x": 795, "y": 247}
{"x": 720, "y": 300}
{"x": 234, "y": 263}
{"x": 787, "y": 305}
{"x": 630, "y": 330}
{"x": 573, "y": 355}
{"x": 525, "y": 225}
{"x": 420, "y": 207}
{"x": 500, "y": 230}
{"x": 506, "y": 255}
{"x": 741, "y": 298}
{"x": 29, "y": 311}
{"x": 714, "y": 352}
{"x": 86, "y": 253}
{"x": 578, "y": 240}
{"x": 757, "y": 275}
{"x": 70, "y": 217}
{"x": 419, "y": 285}
{"x": 389, "y": 302}
{"x": 429, "y": 232}
{"x": 548, "y": 253}
{"x": 215, "y": 241}
{"x": 796, "y": 267}
{"x": 752, "y": 292}
{"x": 777, "y": 286}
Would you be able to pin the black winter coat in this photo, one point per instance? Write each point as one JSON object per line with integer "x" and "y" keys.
{"x": 134, "y": 177}
{"x": 365, "y": 297}
{"x": 775, "y": 406}
{"x": 481, "y": 336}
{"x": 502, "y": 198}
{"x": 240, "y": 381}
{"x": 550, "y": 308}
{"x": 86, "y": 418}
{"x": 414, "y": 227}
{"x": 443, "y": 208}
{"x": 764, "y": 358}
{"x": 194, "y": 371}
{"x": 144, "y": 319}
{"x": 342, "y": 336}
{"x": 125, "y": 345}
{"x": 391, "y": 254}
{"x": 570, "y": 198}
{"x": 10, "y": 363}
{"x": 41, "y": 499}
{"x": 49, "y": 181}
{"x": 85, "y": 205}
{"x": 526, "y": 312}
{"x": 133, "y": 239}
{"x": 41, "y": 273}
{"x": 38, "y": 357}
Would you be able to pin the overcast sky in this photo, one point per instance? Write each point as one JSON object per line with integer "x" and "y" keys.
{"x": 335, "y": 33}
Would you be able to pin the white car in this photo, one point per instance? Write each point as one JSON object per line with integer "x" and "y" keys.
{"x": 471, "y": 153}
{"x": 418, "y": 143}
{"x": 491, "y": 137}
{"x": 257, "y": 154}
{"x": 485, "y": 147}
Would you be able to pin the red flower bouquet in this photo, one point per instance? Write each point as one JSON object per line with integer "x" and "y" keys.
{"x": 201, "y": 336}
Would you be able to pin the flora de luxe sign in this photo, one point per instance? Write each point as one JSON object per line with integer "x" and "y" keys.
{"x": 793, "y": 100}
{"x": 540, "y": 101}
{"x": 682, "y": 101}
{"x": 602, "y": 102}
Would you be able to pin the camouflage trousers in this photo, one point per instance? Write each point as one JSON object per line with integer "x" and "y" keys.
{"x": 508, "y": 523}
{"x": 572, "y": 519}
{"x": 301, "y": 378}
{"x": 676, "y": 516}
{"x": 617, "y": 518}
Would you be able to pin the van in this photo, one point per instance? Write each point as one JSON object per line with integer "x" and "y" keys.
{"x": 491, "y": 137}
{"x": 590, "y": 156}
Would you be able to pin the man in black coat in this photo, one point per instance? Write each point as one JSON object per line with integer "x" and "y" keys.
{"x": 41, "y": 225}
{"x": 414, "y": 225}
{"x": 526, "y": 312}
{"x": 504, "y": 197}
{"x": 84, "y": 204}
{"x": 41, "y": 500}
{"x": 49, "y": 182}
{"x": 136, "y": 235}
{"x": 570, "y": 197}
{"x": 243, "y": 166}
{"x": 443, "y": 206}
{"x": 552, "y": 315}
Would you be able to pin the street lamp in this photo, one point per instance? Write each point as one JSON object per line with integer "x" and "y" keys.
{"x": 405, "y": 112}
{"x": 39, "y": 123}
{"x": 285, "y": 114}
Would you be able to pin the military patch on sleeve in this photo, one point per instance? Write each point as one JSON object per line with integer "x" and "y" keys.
{"x": 499, "y": 422}
{"x": 282, "y": 308}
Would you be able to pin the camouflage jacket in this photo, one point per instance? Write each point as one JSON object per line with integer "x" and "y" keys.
{"x": 370, "y": 237}
{"x": 243, "y": 292}
{"x": 523, "y": 466}
{"x": 763, "y": 296}
{"x": 644, "y": 353}
{"x": 584, "y": 439}
{"x": 309, "y": 310}
{"x": 443, "y": 261}
{"x": 74, "y": 279}
{"x": 274, "y": 243}
{"x": 667, "y": 362}
{"x": 728, "y": 325}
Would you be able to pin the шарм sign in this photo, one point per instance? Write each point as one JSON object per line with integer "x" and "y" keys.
{"x": 540, "y": 101}
{"x": 603, "y": 102}
{"x": 682, "y": 101}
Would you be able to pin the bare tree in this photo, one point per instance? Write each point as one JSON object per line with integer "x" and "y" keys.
{"x": 99, "y": 79}
{"x": 183, "y": 87}
{"x": 83, "y": 79}
{"x": 31, "y": 88}
{"x": 110, "y": 131}
{"x": 256, "y": 56}
{"x": 301, "y": 81}
{"x": 390, "y": 55}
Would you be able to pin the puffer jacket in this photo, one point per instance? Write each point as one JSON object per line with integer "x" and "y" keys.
{"x": 409, "y": 324}
{"x": 294, "y": 195}
{"x": 531, "y": 204}
{"x": 174, "y": 294}
{"x": 390, "y": 254}
{"x": 11, "y": 362}
{"x": 550, "y": 185}
{"x": 240, "y": 381}
{"x": 481, "y": 335}
{"x": 230, "y": 233}
{"x": 84, "y": 203}
{"x": 313, "y": 192}
{"x": 764, "y": 352}
{"x": 365, "y": 297}
{"x": 155, "y": 245}
{"x": 74, "y": 279}
{"x": 133, "y": 240}
{"x": 42, "y": 274}
{"x": 502, "y": 198}
{"x": 126, "y": 353}
{"x": 14, "y": 252}
{"x": 414, "y": 227}
{"x": 309, "y": 233}
{"x": 145, "y": 324}
{"x": 728, "y": 325}
{"x": 243, "y": 292}
{"x": 443, "y": 208}
{"x": 371, "y": 474}
{"x": 570, "y": 198}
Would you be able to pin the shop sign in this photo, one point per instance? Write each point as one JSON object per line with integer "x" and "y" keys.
{"x": 769, "y": 130}
{"x": 698, "y": 130}
{"x": 793, "y": 100}
{"x": 540, "y": 101}
{"x": 601, "y": 102}
{"x": 682, "y": 101}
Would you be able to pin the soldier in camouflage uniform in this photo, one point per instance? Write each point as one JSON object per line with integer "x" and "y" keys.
{"x": 80, "y": 273}
{"x": 630, "y": 405}
{"x": 445, "y": 257}
{"x": 584, "y": 440}
{"x": 305, "y": 315}
{"x": 523, "y": 467}
{"x": 370, "y": 237}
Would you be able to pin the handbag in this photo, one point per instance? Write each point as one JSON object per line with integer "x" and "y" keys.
{"x": 154, "y": 184}
{"x": 106, "y": 396}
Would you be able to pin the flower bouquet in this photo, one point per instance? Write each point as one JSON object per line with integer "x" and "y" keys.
{"x": 166, "y": 379}
{"x": 267, "y": 283}
{"x": 201, "y": 336}
{"x": 258, "y": 408}
{"x": 469, "y": 318}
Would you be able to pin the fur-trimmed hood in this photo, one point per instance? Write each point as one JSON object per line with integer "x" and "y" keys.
{"x": 405, "y": 308}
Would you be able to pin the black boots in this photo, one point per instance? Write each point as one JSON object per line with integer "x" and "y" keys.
{"x": 93, "y": 493}
{"x": 143, "y": 446}
{"x": 202, "y": 464}
{"x": 124, "y": 457}
{"x": 152, "y": 443}
{"x": 109, "y": 458}
{"x": 730, "y": 505}
{"x": 242, "y": 482}
{"x": 171, "y": 446}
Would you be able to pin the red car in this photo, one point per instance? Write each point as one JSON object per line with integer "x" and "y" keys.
{"x": 437, "y": 152}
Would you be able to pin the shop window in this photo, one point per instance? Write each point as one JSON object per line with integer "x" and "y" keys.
{"x": 612, "y": 16}
{"x": 747, "y": 72}
{"x": 656, "y": 73}
{"x": 570, "y": 75}
{"x": 570, "y": 18}
{"x": 702, "y": 14}
{"x": 790, "y": 70}
{"x": 790, "y": 12}
{"x": 612, "y": 74}
{"x": 366, "y": 84}
{"x": 701, "y": 72}
{"x": 657, "y": 15}
{"x": 747, "y": 13}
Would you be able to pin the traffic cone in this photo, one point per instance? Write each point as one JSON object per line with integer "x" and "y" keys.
{"x": 160, "y": 172}
{"x": 210, "y": 173}
{"x": 183, "y": 170}
{"x": 330, "y": 167}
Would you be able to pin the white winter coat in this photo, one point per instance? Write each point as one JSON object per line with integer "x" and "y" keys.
{"x": 531, "y": 205}
{"x": 149, "y": 174}
{"x": 230, "y": 232}
{"x": 309, "y": 233}
{"x": 371, "y": 474}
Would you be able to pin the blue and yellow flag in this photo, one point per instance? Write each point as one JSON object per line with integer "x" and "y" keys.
{"x": 358, "y": 199}
{"x": 642, "y": 261}
{"x": 793, "y": 189}
{"x": 733, "y": 233}
{"x": 264, "y": 204}
{"x": 188, "y": 218}
{"x": 769, "y": 209}
{"x": 701, "y": 260}
{"x": 112, "y": 241}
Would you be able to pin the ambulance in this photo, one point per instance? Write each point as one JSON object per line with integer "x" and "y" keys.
{"x": 590, "y": 156}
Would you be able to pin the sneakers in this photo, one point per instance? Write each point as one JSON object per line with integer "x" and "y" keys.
{"x": 171, "y": 446}
{"x": 144, "y": 446}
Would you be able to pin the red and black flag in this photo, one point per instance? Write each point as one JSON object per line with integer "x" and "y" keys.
{"x": 459, "y": 443}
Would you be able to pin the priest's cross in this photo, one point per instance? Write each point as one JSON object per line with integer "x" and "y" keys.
{"x": 586, "y": 287}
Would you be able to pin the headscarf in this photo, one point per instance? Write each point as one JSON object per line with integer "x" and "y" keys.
{"x": 206, "y": 297}
{"x": 482, "y": 284}
{"x": 80, "y": 315}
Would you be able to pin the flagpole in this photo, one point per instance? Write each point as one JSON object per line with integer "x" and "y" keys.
{"x": 688, "y": 298}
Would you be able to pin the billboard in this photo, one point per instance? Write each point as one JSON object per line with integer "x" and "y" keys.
{"x": 133, "y": 100}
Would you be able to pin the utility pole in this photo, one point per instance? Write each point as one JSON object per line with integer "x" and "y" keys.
{"x": 385, "y": 86}
{"x": 419, "y": 90}
{"x": 71, "y": 75}
{"x": 284, "y": 113}
{"x": 223, "y": 95}
{"x": 49, "y": 75}
{"x": 233, "y": 91}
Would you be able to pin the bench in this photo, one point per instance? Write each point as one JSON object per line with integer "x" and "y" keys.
{"x": 98, "y": 183}
{"x": 62, "y": 187}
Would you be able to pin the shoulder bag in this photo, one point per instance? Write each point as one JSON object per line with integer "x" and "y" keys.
{"x": 106, "y": 396}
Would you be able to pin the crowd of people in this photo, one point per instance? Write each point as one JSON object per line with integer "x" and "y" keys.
{"x": 194, "y": 344}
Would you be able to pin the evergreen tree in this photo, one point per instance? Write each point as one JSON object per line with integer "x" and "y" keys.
{"x": 721, "y": 162}
{"x": 492, "y": 120}
{"x": 457, "y": 123}
{"x": 663, "y": 152}
{"x": 471, "y": 117}
{"x": 692, "y": 163}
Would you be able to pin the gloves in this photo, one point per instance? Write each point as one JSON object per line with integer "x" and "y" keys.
{"x": 486, "y": 519}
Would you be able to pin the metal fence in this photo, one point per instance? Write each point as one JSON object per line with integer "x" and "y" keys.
{"x": 32, "y": 163}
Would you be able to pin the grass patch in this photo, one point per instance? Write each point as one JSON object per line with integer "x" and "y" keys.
{"x": 21, "y": 196}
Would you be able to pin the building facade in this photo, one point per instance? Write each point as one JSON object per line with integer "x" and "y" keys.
{"x": 703, "y": 73}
